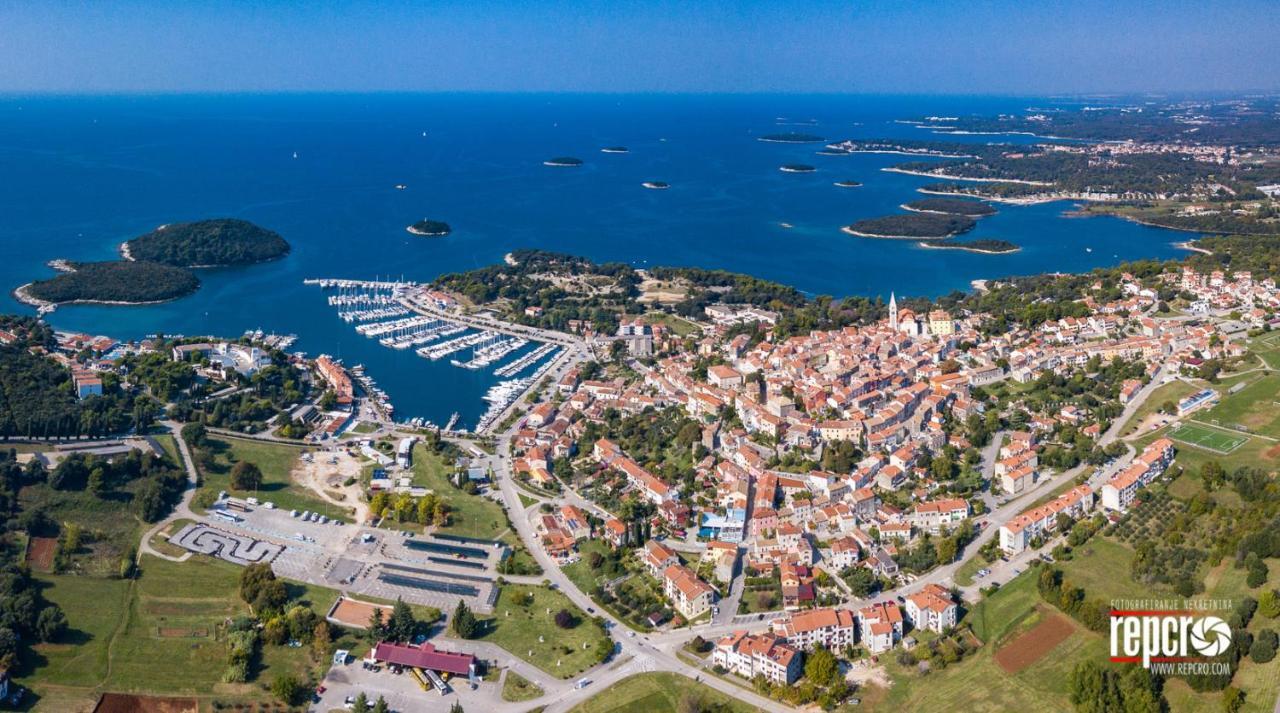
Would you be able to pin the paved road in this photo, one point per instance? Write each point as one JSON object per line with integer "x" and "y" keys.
{"x": 183, "y": 508}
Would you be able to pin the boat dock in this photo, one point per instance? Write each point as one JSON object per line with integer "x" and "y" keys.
{"x": 444, "y": 349}
{"x": 525, "y": 361}
{"x": 490, "y": 351}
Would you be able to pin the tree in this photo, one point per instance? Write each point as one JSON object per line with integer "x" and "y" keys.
{"x": 246, "y": 476}
{"x": 1264, "y": 646}
{"x": 51, "y": 624}
{"x": 377, "y": 625}
{"x": 1269, "y": 604}
{"x": 286, "y": 689}
{"x": 320, "y": 638}
{"x": 455, "y": 708}
{"x": 821, "y": 667}
{"x": 565, "y": 619}
{"x": 361, "y": 704}
{"x": 464, "y": 624}
{"x": 401, "y": 626}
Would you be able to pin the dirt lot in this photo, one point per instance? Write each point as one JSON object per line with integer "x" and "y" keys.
{"x": 125, "y": 703}
{"x": 357, "y": 614}
{"x": 326, "y": 480}
{"x": 40, "y": 553}
{"x": 1032, "y": 645}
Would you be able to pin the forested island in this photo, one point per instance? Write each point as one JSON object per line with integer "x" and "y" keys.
{"x": 797, "y": 168}
{"x": 981, "y": 245}
{"x": 219, "y": 242}
{"x": 116, "y": 282}
{"x": 912, "y": 225}
{"x": 430, "y": 228}
{"x": 950, "y": 206}
{"x": 563, "y": 162}
{"x": 848, "y": 184}
{"x": 792, "y": 138}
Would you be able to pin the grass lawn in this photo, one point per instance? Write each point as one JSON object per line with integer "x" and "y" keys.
{"x": 170, "y": 448}
{"x": 653, "y": 692}
{"x": 110, "y": 526}
{"x": 1256, "y": 452}
{"x": 276, "y": 461}
{"x": 1102, "y": 567}
{"x": 516, "y": 688}
{"x": 517, "y": 626}
{"x": 159, "y": 634}
{"x": 968, "y": 570}
{"x": 679, "y": 326}
{"x": 1255, "y": 406}
{"x": 469, "y": 515}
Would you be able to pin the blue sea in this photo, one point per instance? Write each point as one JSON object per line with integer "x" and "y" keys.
{"x": 83, "y": 174}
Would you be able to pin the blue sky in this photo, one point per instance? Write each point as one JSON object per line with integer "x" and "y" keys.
{"x": 1028, "y": 47}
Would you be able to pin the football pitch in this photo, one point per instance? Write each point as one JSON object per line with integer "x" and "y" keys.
{"x": 1210, "y": 439}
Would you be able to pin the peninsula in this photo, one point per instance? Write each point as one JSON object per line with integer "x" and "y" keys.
{"x": 220, "y": 242}
{"x": 430, "y": 228}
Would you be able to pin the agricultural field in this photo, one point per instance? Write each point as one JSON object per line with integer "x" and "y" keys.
{"x": 653, "y": 692}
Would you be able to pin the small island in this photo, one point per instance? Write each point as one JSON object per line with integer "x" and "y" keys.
{"x": 430, "y": 228}
{"x": 792, "y": 138}
{"x": 220, "y": 242}
{"x": 656, "y": 185}
{"x": 126, "y": 282}
{"x": 950, "y": 206}
{"x": 797, "y": 168}
{"x": 615, "y": 149}
{"x": 848, "y": 184}
{"x": 985, "y": 246}
{"x": 912, "y": 225}
{"x": 563, "y": 162}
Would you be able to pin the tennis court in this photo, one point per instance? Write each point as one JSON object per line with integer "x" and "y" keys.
{"x": 1209, "y": 439}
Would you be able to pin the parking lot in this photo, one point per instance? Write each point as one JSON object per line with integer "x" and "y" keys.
{"x": 385, "y": 564}
{"x": 401, "y": 690}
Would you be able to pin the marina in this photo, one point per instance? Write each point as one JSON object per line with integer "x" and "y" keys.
{"x": 490, "y": 351}
{"x": 379, "y": 310}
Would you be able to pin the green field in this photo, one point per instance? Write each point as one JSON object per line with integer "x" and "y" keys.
{"x": 517, "y": 688}
{"x": 679, "y": 326}
{"x": 516, "y": 626}
{"x": 1208, "y": 438}
{"x": 156, "y": 634}
{"x": 1256, "y": 406}
{"x": 469, "y": 515}
{"x": 276, "y": 461}
{"x": 654, "y": 692}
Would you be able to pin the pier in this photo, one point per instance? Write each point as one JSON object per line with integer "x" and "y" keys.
{"x": 525, "y": 361}
{"x": 444, "y": 349}
{"x": 490, "y": 351}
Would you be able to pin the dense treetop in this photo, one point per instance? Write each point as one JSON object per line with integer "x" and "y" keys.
{"x": 116, "y": 281}
{"x": 206, "y": 243}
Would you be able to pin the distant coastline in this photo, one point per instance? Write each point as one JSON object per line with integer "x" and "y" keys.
{"x": 949, "y": 177}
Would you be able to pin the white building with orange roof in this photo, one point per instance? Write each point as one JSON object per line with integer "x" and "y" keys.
{"x": 758, "y": 655}
{"x": 689, "y": 595}
{"x": 830, "y": 628}
{"x": 932, "y": 609}
{"x": 881, "y": 626}
{"x": 1017, "y": 534}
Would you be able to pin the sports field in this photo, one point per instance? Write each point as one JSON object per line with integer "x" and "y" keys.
{"x": 1210, "y": 439}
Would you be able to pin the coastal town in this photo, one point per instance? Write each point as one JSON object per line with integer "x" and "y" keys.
{"x": 717, "y": 502}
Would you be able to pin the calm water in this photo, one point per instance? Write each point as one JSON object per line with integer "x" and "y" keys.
{"x": 81, "y": 175}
